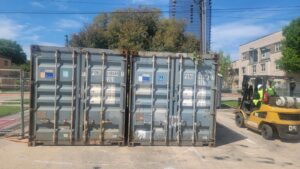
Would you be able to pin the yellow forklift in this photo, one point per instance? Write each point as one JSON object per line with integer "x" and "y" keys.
{"x": 272, "y": 116}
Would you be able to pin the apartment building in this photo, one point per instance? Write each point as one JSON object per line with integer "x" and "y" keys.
{"x": 258, "y": 57}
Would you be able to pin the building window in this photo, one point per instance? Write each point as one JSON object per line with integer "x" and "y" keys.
{"x": 192, "y": 14}
{"x": 243, "y": 70}
{"x": 254, "y": 69}
{"x": 253, "y": 56}
{"x": 265, "y": 53}
{"x": 277, "y": 47}
{"x": 263, "y": 67}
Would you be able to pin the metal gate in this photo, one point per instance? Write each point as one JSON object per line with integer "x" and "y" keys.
{"x": 14, "y": 102}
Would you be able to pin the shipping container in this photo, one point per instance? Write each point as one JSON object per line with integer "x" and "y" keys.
{"x": 77, "y": 96}
{"x": 83, "y": 96}
{"x": 172, "y": 100}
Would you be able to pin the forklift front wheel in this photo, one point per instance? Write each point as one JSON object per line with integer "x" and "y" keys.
{"x": 267, "y": 132}
{"x": 239, "y": 119}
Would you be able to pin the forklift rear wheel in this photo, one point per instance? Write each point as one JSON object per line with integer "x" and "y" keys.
{"x": 267, "y": 132}
{"x": 239, "y": 120}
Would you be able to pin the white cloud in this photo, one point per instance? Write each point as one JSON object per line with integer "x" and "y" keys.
{"x": 25, "y": 34}
{"x": 229, "y": 36}
{"x": 9, "y": 29}
{"x": 37, "y": 4}
{"x": 68, "y": 23}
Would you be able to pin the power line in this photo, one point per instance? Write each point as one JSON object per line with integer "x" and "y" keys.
{"x": 107, "y": 12}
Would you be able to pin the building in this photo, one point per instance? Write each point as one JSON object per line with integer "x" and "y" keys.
{"x": 258, "y": 57}
{"x": 4, "y": 62}
{"x": 189, "y": 12}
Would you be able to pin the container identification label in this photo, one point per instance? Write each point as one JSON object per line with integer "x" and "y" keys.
{"x": 144, "y": 78}
{"x": 46, "y": 73}
{"x": 65, "y": 74}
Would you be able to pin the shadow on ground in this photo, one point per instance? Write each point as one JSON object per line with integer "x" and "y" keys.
{"x": 226, "y": 135}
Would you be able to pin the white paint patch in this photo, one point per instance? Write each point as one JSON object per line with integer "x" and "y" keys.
{"x": 95, "y": 100}
{"x": 188, "y": 93}
{"x": 187, "y": 102}
{"x": 95, "y": 89}
{"x": 110, "y": 100}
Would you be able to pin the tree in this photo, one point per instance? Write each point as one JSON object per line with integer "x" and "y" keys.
{"x": 169, "y": 36}
{"x": 90, "y": 36}
{"x": 190, "y": 44}
{"x": 13, "y": 50}
{"x": 225, "y": 67}
{"x": 136, "y": 29}
{"x": 290, "y": 61}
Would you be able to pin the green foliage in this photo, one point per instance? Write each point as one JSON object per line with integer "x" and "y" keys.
{"x": 225, "y": 66}
{"x": 169, "y": 35}
{"x": 13, "y": 50}
{"x": 90, "y": 36}
{"x": 190, "y": 43}
{"x": 135, "y": 29}
{"x": 26, "y": 66}
{"x": 290, "y": 61}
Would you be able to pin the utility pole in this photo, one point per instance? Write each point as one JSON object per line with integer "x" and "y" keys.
{"x": 66, "y": 41}
{"x": 203, "y": 31}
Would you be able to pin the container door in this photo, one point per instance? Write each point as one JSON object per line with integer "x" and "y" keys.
{"x": 54, "y": 95}
{"x": 150, "y": 105}
{"x": 104, "y": 103}
{"x": 195, "y": 93}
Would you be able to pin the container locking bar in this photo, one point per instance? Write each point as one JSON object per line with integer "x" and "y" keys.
{"x": 56, "y": 57}
{"x": 86, "y": 96}
{"x": 194, "y": 105}
{"x": 74, "y": 56}
{"x": 152, "y": 100}
{"x": 102, "y": 115}
{"x": 168, "y": 104}
{"x": 180, "y": 101}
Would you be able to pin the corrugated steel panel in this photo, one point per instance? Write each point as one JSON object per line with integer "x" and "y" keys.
{"x": 172, "y": 100}
{"x": 103, "y": 87}
{"x": 77, "y": 96}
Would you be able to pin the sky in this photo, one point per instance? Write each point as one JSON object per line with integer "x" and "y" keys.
{"x": 234, "y": 22}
